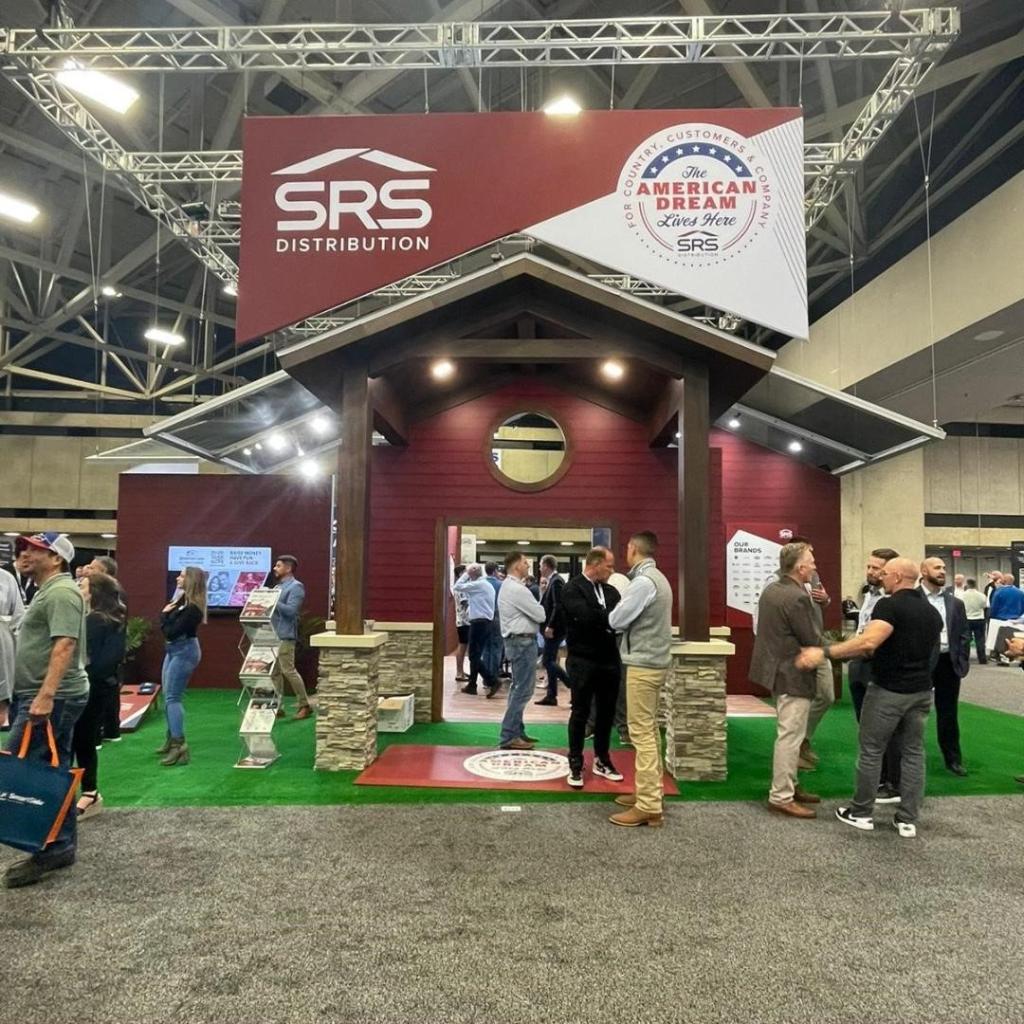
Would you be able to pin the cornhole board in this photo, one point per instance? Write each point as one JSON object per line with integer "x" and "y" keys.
{"x": 135, "y": 706}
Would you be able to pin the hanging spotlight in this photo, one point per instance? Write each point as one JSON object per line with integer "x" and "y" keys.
{"x": 795, "y": 446}
{"x": 258, "y": 446}
{"x": 95, "y": 85}
{"x": 17, "y": 209}
{"x": 734, "y": 423}
{"x": 309, "y": 469}
{"x": 321, "y": 424}
{"x": 564, "y": 106}
{"x": 613, "y": 369}
{"x": 247, "y": 451}
{"x": 277, "y": 442}
{"x": 442, "y": 369}
{"x": 164, "y": 337}
{"x": 231, "y": 289}
{"x": 110, "y": 292}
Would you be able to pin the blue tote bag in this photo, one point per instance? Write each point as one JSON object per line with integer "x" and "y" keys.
{"x": 35, "y": 796}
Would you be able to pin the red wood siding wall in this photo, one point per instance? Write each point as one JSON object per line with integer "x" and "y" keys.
{"x": 155, "y": 512}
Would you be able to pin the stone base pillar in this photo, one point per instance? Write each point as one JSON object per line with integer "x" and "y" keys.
{"x": 695, "y": 736}
{"x": 346, "y": 722}
{"x": 407, "y": 663}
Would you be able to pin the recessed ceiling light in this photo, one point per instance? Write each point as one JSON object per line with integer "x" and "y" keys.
{"x": 277, "y": 442}
{"x": 110, "y": 292}
{"x": 677, "y": 435}
{"x": 524, "y": 543}
{"x": 95, "y": 85}
{"x": 109, "y": 536}
{"x": 734, "y": 423}
{"x": 164, "y": 337}
{"x": 309, "y": 469}
{"x": 613, "y": 369}
{"x": 989, "y": 335}
{"x": 564, "y": 105}
{"x": 442, "y": 369}
{"x": 17, "y": 209}
{"x": 258, "y": 446}
{"x": 566, "y": 543}
{"x": 795, "y": 446}
{"x": 230, "y": 289}
{"x": 12, "y": 534}
{"x": 247, "y": 451}
{"x": 320, "y": 423}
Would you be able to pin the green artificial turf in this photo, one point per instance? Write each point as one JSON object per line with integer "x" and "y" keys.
{"x": 130, "y": 775}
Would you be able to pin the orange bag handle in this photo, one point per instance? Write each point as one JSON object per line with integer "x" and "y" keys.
{"x": 26, "y": 739}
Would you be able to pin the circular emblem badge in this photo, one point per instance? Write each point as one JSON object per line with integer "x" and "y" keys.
{"x": 697, "y": 194}
{"x": 517, "y": 765}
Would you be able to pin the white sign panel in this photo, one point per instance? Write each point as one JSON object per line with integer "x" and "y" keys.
{"x": 751, "y": 563}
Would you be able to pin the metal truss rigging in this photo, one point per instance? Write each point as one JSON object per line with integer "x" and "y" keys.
{"x": 708, "y": 39}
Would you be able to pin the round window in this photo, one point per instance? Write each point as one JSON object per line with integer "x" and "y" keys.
{"x": 528, "y": 451}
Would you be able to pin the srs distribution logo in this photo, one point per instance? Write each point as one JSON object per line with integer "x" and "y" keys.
{"x": 697, "y": 194}
{"x": 377, "y": 202}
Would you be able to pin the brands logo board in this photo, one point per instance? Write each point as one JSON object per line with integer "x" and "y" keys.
{"x": 381, "y": 205}
{"x": 697, "y": 194}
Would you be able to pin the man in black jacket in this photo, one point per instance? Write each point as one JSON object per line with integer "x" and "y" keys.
{"x": 954, "y": 660}
{"x": 553, "y": 628}
{"x": 593, "y": 662}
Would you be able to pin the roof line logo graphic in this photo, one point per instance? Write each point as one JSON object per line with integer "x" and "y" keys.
{"x": 337, "y": 156}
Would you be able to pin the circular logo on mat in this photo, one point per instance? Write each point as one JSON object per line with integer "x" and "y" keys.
{"x": 517, "y": 765}
{"x": 697, "y": 194}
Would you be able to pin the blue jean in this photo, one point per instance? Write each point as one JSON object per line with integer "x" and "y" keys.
{"x": 63, "y": 717}
{"x": 522, "y": 653}
{"x": 180, "y": 660}
{"x": 494, "y": 649}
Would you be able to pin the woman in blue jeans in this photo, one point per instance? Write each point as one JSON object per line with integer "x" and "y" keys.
{"x": 179, "y": 621}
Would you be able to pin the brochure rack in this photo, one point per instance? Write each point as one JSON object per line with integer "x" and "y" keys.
{"x": 256, "y": 678}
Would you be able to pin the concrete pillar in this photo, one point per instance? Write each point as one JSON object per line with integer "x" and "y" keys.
{"x": 346, "y": 723}
{"x": 695, "y": 733}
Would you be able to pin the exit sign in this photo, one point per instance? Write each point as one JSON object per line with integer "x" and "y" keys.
{"x": 957, "y": 552}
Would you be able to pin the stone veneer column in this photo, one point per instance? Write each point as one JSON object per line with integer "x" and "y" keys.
{"x": 695, "y": 736}
{"x": 346, "y": 721}
{"x": 407, "y": 664}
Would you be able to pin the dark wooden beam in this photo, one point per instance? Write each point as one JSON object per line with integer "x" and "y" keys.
{"x": 694, "y": 507}
{"x": 664, "y": 419}
{"x": 475, "y": 386}
{"x": 389, "y": 416}
{"x": 355, "y": 417}
{"x": 560, "y": 378}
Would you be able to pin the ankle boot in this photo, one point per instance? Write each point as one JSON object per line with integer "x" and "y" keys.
{"x": 178, "y": 753}
{"x": 166, "y": 745}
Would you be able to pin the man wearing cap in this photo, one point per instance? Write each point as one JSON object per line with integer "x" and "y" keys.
{"x": 49, "y": 681}
{"x": 285, "y": 622}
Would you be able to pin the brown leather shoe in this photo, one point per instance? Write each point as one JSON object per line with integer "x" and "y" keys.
{"x": 517, "y": 744}
{"x": 304, "y": 712}
{"x": 807, "y": 754}
{"x": 626, "y": 800}
{"x": 793, "y": 809}
{"x": 802, "y": 797}
{"x": 634, "y": 817}
{"x": 806, "y": 765}
{"x": 281, "y": 713}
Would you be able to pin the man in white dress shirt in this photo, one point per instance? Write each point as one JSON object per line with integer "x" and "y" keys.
{"x": 521, "y": 615}
{"x": 474, "y": 587}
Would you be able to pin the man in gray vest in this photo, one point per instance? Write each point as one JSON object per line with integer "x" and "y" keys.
{"x": 644, "y": 618}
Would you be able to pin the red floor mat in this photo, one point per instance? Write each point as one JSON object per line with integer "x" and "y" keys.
{"x": 443, "y": 767}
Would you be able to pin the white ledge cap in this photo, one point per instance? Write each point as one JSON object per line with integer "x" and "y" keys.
{"x": 358, "y": 641}
{"x": 707, "y": 648}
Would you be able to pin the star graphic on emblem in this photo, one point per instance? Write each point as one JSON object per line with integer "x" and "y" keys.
{"x": 713, "y": 151}
{"x": 679, "y": 152}
{"x": 664, "y": 159}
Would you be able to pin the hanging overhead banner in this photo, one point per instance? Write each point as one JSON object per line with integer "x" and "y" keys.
{"x": 707, "y": 203}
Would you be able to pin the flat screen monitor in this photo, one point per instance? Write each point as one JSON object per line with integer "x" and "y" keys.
{"x": 232, "y": 572}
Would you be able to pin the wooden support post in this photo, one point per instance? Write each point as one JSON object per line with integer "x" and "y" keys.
{"x": 694, "y": 506}
{"x": 353, "y": 499}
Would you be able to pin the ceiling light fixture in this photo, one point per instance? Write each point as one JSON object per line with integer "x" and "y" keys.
{"x": 565, "y": 543}
{"x": 522, "y": 543}
{"x": 734, "y": 423}
{"x": 17, "y": 209}
{"x": 12, "y": 534}
{"x": 247, "y": 451}
{"x": 795, "y": 446}
{"x": 231, "y": 289}
{"x": 564, "y": 106}
{"x": 110, "y": 292}
{"x": 613, "y": 369}
{"x": 442, "y": 369}
{"x": 109, "y": 536}
{"x": 164, "y": 337}
{"x": 309, "y": 469}
{"x": 677, "y": 435}
{"x": 258, "y": 446}
{"x": 320, "y": 424}
{"x": 95, "y": 85}
{"x": 989, "y": 335}
{"x": 277, "y": 442}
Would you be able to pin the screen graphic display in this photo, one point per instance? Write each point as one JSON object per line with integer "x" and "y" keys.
{"x": 232, "y": 573}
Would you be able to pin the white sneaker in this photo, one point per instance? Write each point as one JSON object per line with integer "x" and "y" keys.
{"x": 906, "y": 829}
{"x": 606, "y": 770}
{"x": 864, "y": 824}
{"x": 575, "y": 779}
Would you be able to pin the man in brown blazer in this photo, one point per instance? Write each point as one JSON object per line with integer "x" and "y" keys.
{"x": 785, "y": 624}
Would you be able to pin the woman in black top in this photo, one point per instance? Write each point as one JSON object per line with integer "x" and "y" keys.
{"x": 105, "y": 630}
{"x": 179, "y": 621}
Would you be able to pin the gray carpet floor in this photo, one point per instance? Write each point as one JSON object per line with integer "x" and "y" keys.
{"x": 471, "y": 914}
{"x": 992, "y": 687}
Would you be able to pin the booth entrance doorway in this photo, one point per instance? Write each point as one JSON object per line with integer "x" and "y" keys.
{"x": 485, "y": 542}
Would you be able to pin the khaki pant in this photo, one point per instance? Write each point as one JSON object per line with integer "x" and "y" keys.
{"x": 643, "y": 691}
{"x": 285, "y": 669}
{"x": 791, "y": 728}
{"x": 824, "y": 696}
